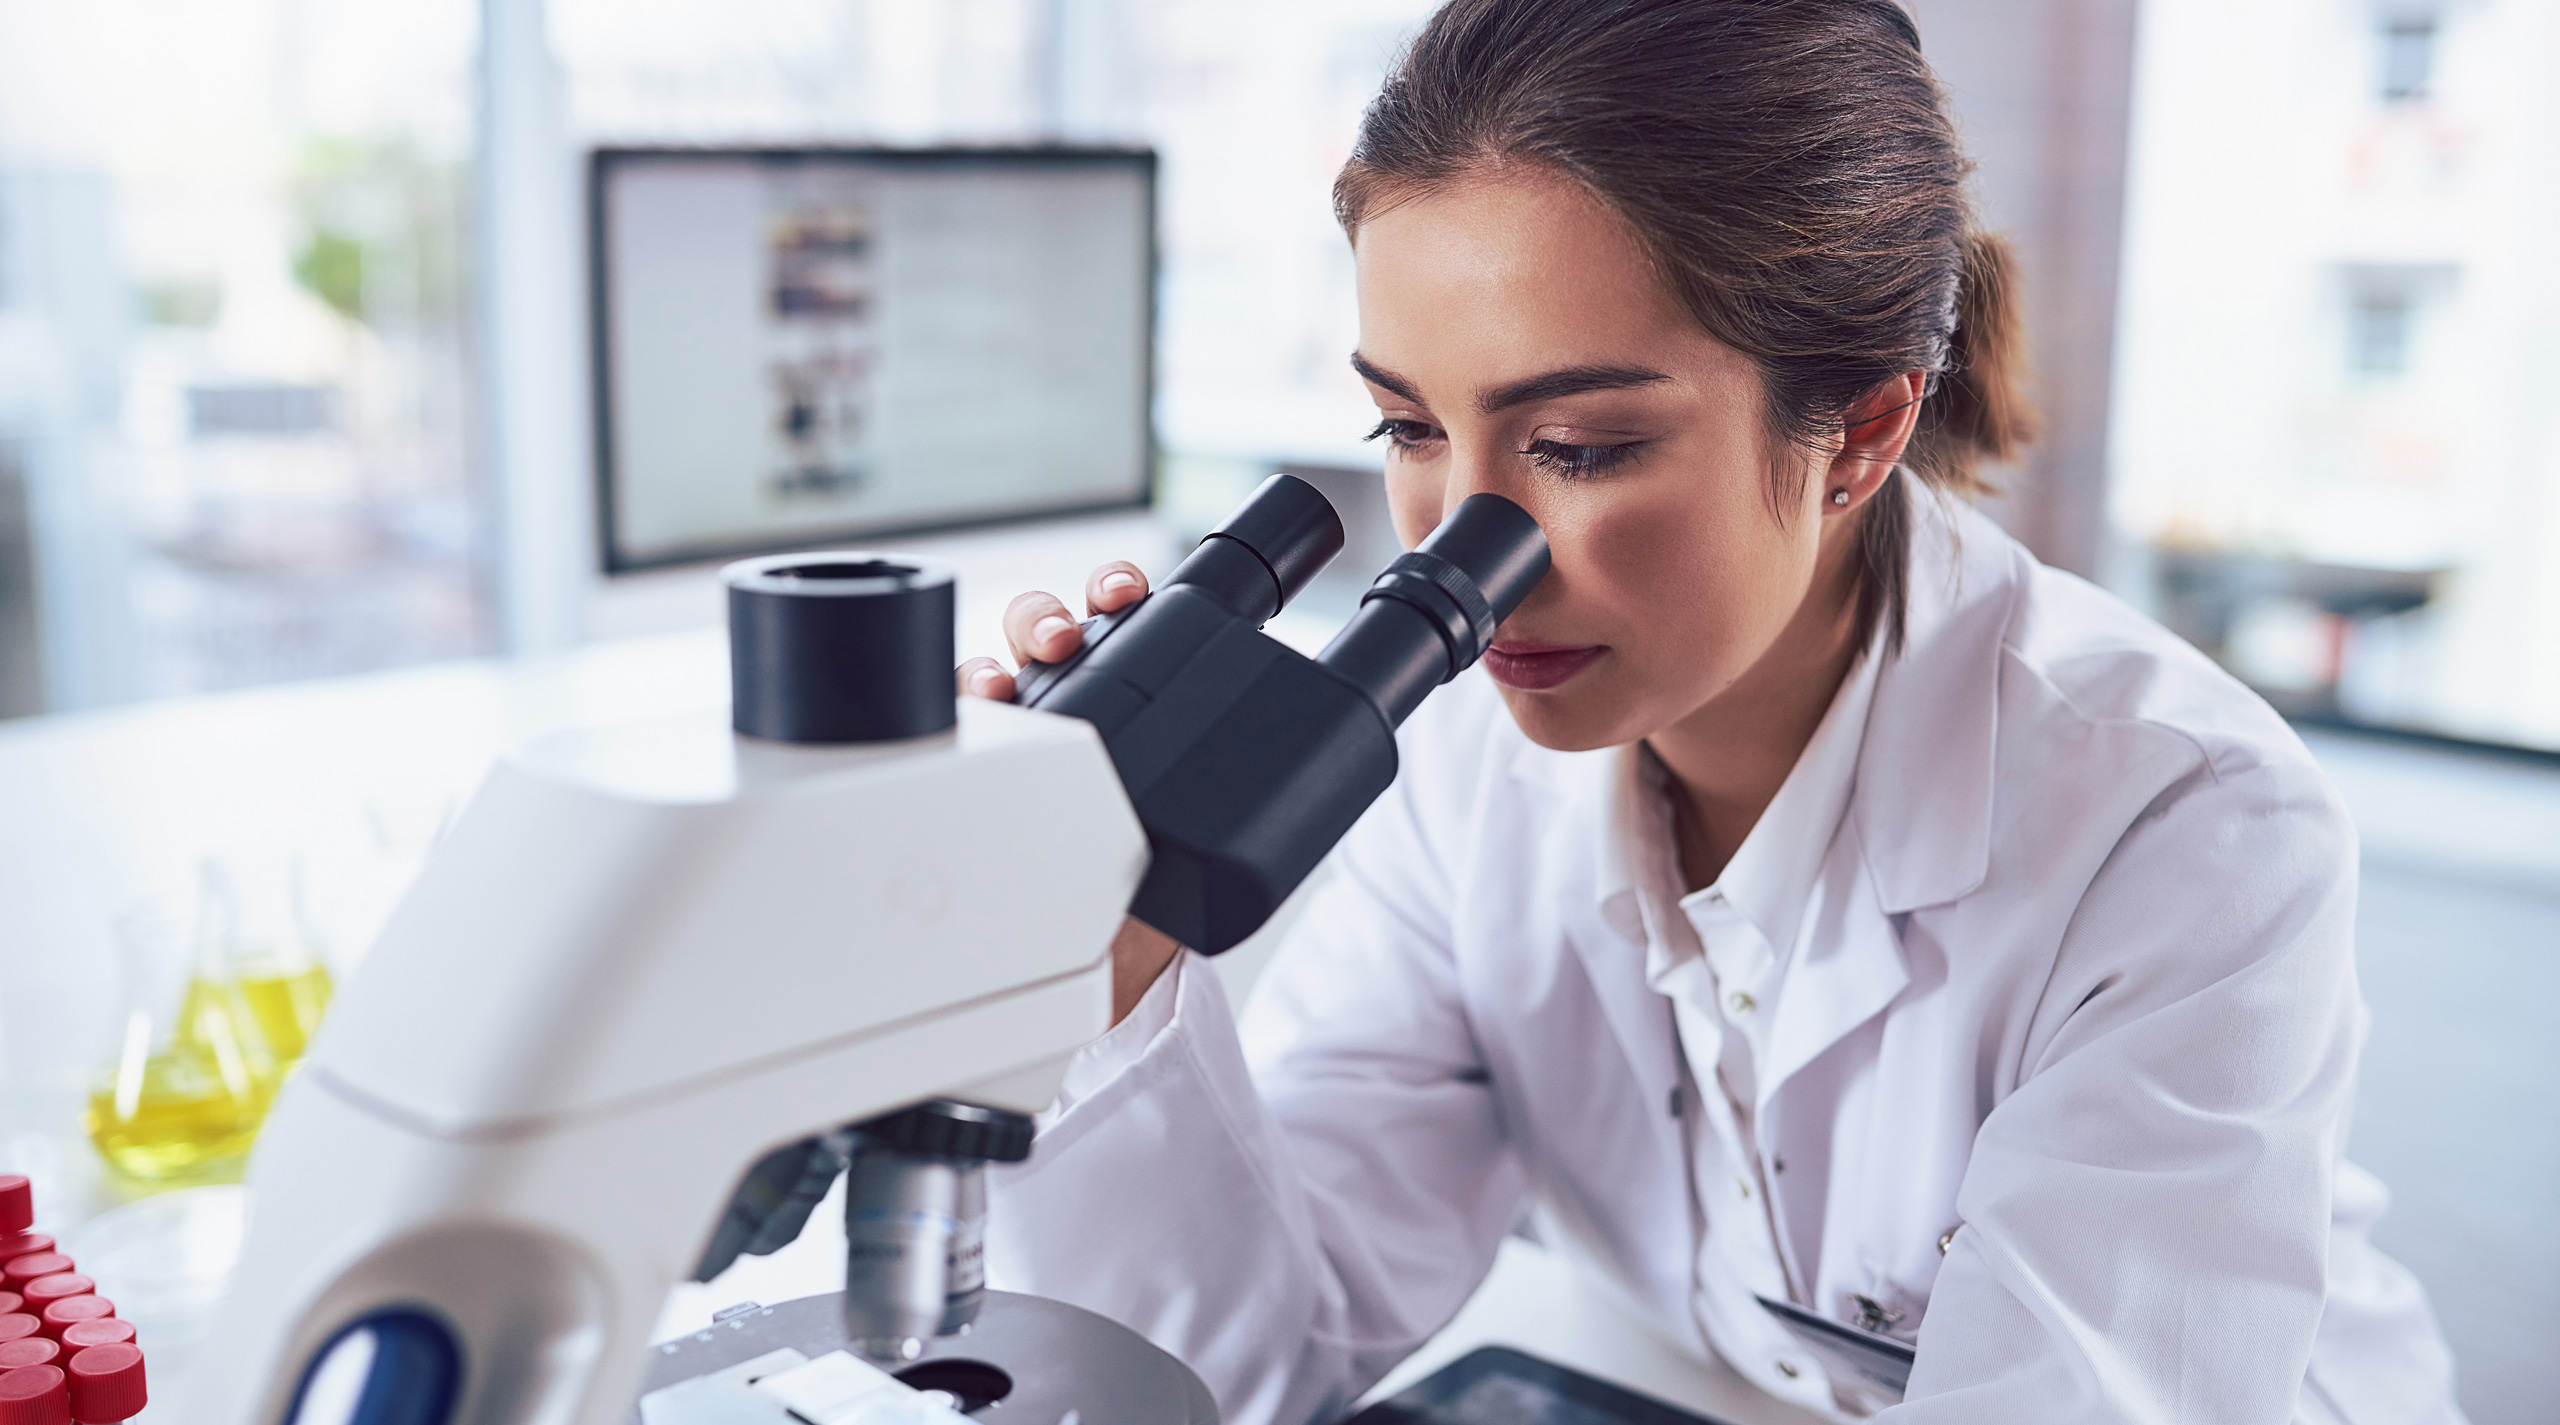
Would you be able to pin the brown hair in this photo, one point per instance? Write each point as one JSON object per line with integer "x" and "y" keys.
{"x": 1791, "y": 170}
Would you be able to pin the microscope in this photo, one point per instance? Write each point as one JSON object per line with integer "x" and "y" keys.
{"x": 666, "y": 981}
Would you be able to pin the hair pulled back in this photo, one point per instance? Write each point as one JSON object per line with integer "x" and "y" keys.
{"x": 1790, "y": 168}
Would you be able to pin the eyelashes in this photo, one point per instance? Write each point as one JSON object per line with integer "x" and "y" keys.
{"x": 1572, "y": 462}
{"x": 1576, "y": 462}
{"x": 1403, "y": 434}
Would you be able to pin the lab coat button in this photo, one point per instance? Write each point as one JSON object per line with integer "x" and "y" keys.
{"x": 1946, "y": 1240}
{"x": 1741, "y": 1003}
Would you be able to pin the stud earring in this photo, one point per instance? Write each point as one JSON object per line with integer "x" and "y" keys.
{"x": 1839, "y": 497}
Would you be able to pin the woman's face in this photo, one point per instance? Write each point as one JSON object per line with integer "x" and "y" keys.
{"x": 1517, "y": 341}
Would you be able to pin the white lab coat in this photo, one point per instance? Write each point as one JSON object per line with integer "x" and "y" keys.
{"x": 2077, "y": 985}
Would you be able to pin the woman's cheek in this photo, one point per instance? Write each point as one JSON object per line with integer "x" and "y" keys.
{"x": 1669, "y": 570}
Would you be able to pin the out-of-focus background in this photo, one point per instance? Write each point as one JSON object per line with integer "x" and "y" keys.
{"x": 302, "y": 331}
{"x": 270, "y": 268}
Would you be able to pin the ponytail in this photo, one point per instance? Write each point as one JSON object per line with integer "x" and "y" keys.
{"x": 1978, "y": 414}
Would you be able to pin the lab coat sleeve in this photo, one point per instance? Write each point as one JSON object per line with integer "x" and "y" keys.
{"x": 2146, "y": 1215}
{"x": 1294, "y": 1222}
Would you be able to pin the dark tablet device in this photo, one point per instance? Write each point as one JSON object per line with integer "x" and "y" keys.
{"x": 1496, "y": 1386}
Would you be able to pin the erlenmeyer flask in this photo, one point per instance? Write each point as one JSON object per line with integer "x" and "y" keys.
{"x": 264, "y": 941}
{"x": 192, "y": 1075}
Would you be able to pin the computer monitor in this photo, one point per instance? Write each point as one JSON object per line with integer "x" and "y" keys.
{"x": 804, "y": 347}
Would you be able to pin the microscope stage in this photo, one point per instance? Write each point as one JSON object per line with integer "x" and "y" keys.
{"x": 1055, "y": 1365}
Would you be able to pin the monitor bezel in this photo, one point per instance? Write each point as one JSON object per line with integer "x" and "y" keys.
{"x": 604, "y": 161}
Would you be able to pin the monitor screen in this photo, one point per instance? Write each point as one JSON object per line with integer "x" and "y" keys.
{"x": 798, "y": 347}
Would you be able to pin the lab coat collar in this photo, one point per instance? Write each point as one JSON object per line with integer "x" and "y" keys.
{"x": 1923, "y": 802}
{"x": 1846, "y": 972}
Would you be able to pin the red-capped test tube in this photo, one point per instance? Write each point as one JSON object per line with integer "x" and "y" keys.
{"x": 106, "y": 1384}
{"x": 27, "y": 1351}
{"x": 35, "y": 1395}
{"x": 19, "y": 1244}
{"x": 61, "y": 1286}
{"x": 17, "y": 1203}
{"x": 70, "y": 1311}
{"x": 105, "y": 1331}
{"x": 18, "y": 1271}
{"x": 17, "y": 1324}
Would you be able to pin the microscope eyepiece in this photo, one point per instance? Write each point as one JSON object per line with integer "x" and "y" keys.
{"x": 1433, "y": 613}
{"x": 1267, "y": 550}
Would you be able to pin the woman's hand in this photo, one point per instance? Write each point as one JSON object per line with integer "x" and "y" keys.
{"x": 1036, "y": 625}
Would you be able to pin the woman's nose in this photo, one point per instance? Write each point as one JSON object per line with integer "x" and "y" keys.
{"x": 1482, "y": 467}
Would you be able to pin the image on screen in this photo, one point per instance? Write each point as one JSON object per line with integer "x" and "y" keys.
{"x": 796, "y": 347}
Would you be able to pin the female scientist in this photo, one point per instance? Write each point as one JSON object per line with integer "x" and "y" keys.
{"x": 1813, "y": 897}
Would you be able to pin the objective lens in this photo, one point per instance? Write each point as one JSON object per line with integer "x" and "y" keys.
{"x": 901, "y": 1216}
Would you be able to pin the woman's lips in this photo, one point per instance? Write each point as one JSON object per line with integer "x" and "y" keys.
{"x": 1539, "y": 666}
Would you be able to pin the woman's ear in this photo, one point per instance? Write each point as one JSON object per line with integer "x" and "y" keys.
{"x": 1878, "y": 426}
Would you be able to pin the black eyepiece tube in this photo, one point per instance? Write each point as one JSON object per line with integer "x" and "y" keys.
{"x": 1432, "y": 614}
{"x": 1267, "y": 550}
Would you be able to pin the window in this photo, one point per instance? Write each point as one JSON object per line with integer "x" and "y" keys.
{"x": 2378, "y": 333}
{"x": 232, "y": 407}
{"x": 2326, "y": 453}
{"x": 2408, "y": 58}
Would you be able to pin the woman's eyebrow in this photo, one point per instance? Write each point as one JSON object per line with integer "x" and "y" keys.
{"x": 1547, "y": 386}
{"x": 1570, "y": 381}
{"x": 1381, "y": 377}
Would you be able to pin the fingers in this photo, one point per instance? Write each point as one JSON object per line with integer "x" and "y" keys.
{"x": 1115, "y": 585}
{"x": 1036, "y": 626}
{"x": 986, "y": 678}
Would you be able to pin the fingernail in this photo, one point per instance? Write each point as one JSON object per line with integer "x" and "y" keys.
{"x": 1046, "y": 631}
{"x": 1117, "y": 580}
{"x": 979, "y": 680}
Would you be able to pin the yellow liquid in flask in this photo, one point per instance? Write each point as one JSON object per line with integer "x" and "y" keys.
{"x": 288, "y": 1008}
{"x": 189, "y": 1106}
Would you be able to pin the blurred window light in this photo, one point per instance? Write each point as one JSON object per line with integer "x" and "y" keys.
{"x": 2325, "y": 452}
{"x": 261, "y": 408}
{"x": 232, "y": 389}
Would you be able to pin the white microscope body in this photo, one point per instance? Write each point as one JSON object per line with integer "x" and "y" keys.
{"x": 645, "y": 955}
